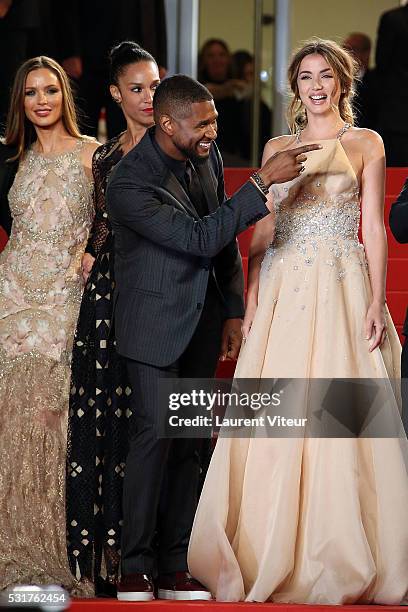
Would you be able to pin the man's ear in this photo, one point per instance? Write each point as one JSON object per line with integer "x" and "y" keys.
{"x": 167, "y": 124}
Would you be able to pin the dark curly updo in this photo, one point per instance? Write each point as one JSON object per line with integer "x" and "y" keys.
{"x": 123, "y": 54}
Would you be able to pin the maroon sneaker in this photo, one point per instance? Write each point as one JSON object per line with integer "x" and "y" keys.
{"x": 135, "y": 587}
{"x": 181, "y": 585}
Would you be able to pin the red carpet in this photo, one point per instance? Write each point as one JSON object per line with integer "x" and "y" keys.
{"x": 101, "y": 605}
{"x": 3, "y": 238}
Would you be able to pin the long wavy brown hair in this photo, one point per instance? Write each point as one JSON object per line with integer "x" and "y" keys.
{"x": 344, "y": 68}
{"x": 20, "y": 132}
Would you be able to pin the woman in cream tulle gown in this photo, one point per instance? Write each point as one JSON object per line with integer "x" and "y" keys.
{"x": 40, "y": 293}
{"x": 314, "y": 519}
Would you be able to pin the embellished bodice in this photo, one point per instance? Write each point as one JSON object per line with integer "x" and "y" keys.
{"x": 52, "y": 208}
{"x": 317, "y": 214}
{"x": 323, "y": 203}
{"x": 51, "y": 204}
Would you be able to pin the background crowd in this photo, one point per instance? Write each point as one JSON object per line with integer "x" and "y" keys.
{"x": 79, "y": 35}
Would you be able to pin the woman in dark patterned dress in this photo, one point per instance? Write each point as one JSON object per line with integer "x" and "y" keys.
{"x": 99, "y": 401}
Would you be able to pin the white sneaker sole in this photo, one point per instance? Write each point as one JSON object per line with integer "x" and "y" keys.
{"x": 134, "y": 596}
{"x": 183, "y": 595}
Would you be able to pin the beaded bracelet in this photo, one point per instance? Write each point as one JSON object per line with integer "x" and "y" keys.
{"x": 259, "y": 183}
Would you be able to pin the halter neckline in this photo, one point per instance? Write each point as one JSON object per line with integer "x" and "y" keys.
{"x": 338, "y": 136}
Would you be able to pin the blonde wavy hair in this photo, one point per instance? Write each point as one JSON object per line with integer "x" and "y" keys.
{"x": 20, "y": 132}
{"x": 344, "y": 68}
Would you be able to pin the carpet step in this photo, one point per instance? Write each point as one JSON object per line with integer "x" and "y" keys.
{"x": 101, "y": 605}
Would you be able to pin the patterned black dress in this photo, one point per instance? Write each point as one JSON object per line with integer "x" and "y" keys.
{"x": 99, "y": 409}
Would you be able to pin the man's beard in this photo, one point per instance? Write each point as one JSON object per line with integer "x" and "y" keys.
{"x": 190, "y": 153}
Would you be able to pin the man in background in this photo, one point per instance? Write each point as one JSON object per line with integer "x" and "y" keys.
{"x": 365, "y": 102}
{"x": 392, "y": 65}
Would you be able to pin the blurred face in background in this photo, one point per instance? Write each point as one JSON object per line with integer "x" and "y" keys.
{"x": 43, "y": 98}
{"x": 359, "y": 46}
{"x": 135, "y": 90}
{"x": 216, "y": 61}
{"x": 248, "y": 72}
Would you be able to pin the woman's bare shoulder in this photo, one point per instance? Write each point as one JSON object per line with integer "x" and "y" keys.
{"x": 365, "y": 138}
{"x": 278, "y": 143}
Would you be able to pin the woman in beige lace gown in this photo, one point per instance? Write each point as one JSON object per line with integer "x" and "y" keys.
{"x": 40, "y": 292}
{"x": 314, "y": 520}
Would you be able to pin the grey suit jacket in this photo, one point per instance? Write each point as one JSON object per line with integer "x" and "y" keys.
{"x": 164, "y": 252}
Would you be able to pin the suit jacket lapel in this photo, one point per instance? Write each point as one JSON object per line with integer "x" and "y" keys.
{"x": 173, "y": 186}
{"x": 168, "y": 180}
{"x": 209, "y": 185}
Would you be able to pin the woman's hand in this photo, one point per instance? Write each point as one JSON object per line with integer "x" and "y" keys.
{"x": 86, "y": 265}
{"x": 376, "y": 329}
{"x": 248, "y": 319}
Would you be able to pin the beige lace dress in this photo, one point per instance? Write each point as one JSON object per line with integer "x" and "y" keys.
{"x": 40, "y": 293}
